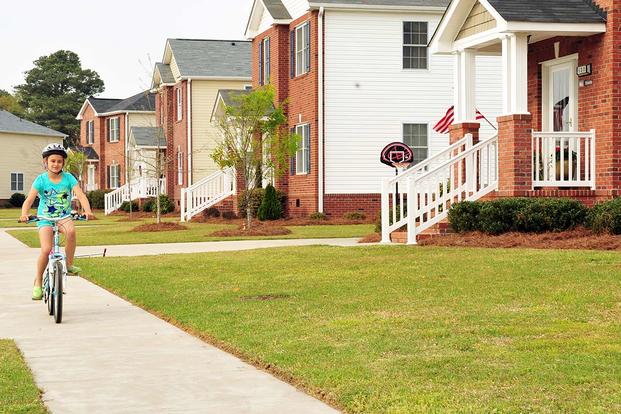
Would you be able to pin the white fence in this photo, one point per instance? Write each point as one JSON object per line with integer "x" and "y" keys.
{"x": 564, "y": 159}
{"x": 207, "y": 192}
{"x": 141, "y": 187}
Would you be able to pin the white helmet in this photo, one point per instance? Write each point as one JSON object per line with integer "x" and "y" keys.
{"x": 52, "y": 149}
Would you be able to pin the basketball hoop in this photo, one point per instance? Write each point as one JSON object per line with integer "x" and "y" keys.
{"x": 397, "y": 155}
{"x": 401, "y": 165}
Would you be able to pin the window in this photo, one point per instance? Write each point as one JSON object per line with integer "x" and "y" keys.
{"x": 179, "y": 105}
{"x": 17, "y": 181}
{"x": 113, "y": 130}
{"x": 302, "y": 157}
{"x": 179, "y": 166}
{"x": 302, "y": 49}
{"x": 414, "y": 45}
{"x": 90, "y": 132}
{"x": 415, "y": 137}
{"x": 114, "y": 176}
{"x": 266, "y": 61}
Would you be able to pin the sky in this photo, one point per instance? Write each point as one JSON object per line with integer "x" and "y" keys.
{"x": 119, "y": 39}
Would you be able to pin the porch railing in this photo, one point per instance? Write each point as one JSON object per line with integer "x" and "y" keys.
{"x": 207, "y": 192}
{"x": 141, "y": 187}
{"x": 564, "y": 159}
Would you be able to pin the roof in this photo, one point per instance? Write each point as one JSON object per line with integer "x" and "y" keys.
{"x": 90, "y": 152}
{"x": 229, "y": 96}
{"x": 379, "y": 3}
{"x": 102, "y": 104}
{"x": 165, "y": 72}
{"x": 12, "y": 123}
{"x": 277, "y": 10}
{"x": 143, "y": 101}
{"x": 549, "y": 11}
{"x": 213, "y": 58}
{"x": 148, "y": 136}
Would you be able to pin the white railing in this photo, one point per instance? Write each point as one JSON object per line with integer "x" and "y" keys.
{"x": 564, "y": 159}
{"x": 422, "y": 196}
{"x": 140, "y": 187}
{"x": 207, "y": 192}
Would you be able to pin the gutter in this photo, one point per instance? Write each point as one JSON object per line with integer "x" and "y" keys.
{"x": 189, "y": 121}
{"x": 372, "y": 7}
{"x": 320, "y": 104}
{"x": 126, "y": 146}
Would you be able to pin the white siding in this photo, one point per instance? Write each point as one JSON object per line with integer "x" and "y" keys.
{"x": 296, "y": 8}
{"x": 266, "y": 21}
{"x": 142, "y": 120}
{"x": 369, "y": 96}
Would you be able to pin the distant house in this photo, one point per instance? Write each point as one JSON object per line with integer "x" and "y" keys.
{"x": 105, "y": 126}
{"x": 20, "y": 160}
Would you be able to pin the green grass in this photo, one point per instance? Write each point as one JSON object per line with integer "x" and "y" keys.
{"x": 404, "y": 330}
{"x": 18, "y": 392}
{"x": 121, "y": 233}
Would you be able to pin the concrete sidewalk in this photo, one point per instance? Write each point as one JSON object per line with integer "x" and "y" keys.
{"x": 109, "y": 356}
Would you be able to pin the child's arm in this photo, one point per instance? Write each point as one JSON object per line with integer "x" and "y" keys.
{"x": 28, "y": 203}
{"x": 83, "y": 201}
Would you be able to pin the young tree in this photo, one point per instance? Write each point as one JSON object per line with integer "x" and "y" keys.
{"x": 250, "y": 127}
{"x": 55, "y": 89}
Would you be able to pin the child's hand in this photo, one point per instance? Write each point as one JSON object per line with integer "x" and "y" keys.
{"x": 23, "y": 219}
{"x": 89, "y": 215}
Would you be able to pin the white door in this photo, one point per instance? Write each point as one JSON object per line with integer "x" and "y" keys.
{"x": 561, "y": 108}
{"x": 91, "y": 185}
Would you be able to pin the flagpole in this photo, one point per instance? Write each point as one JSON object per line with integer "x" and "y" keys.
{"x": 490, "y": 124}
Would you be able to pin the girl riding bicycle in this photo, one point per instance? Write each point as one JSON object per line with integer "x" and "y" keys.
{"x": 54, "y": 188}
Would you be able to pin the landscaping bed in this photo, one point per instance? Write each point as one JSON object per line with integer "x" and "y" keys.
{"x": 18, "y": 392}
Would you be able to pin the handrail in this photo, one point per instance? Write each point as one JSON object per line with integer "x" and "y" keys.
{"x": 207, "y": 192}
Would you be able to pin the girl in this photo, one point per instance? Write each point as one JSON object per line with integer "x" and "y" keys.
{"x": 54, "y": 188}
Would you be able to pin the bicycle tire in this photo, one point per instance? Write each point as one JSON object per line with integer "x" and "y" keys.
{"x": 58, "y": 292}
{"x": 47, "y": 292}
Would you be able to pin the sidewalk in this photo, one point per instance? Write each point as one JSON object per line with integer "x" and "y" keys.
{"x": 109, "y": 356}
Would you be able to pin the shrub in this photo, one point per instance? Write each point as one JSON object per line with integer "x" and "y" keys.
{"x": 148, "y": 205}
{"x": 354, "y": 215}
{"x": 318, "y": 216}
{"x": 17, "y": 199}
{"x": 125, "y": 206}
{"x": 270, "y": 208}
{"x": 229, "y": 215}
{"x": 605, "y": 217}
{"x": 166, "y": 206}
{"x": 96, "y": 199}
{"x": 256, "y": 198}
{"x": 551, "y": 214}
{"x": 211, "y": 212}
{"x": 464, "y": 216}
{"x": 499, "y": 216}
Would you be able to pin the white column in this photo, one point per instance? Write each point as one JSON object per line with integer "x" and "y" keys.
{"x": 515, "y": 74}
{"x": 507, "y": 84}
{"x": 465, "y": 86}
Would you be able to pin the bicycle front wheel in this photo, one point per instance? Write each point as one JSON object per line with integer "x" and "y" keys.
{"x": 57, "y": 295}
{"x": 47, "y": 291}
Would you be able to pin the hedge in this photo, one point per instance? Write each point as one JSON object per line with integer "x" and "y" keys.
{"x": 605, "y": 217}
{"x": 256, "y": 197}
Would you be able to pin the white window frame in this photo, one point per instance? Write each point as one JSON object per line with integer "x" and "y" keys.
{"x": 179, "y": 104}
{"x": 90, "y": 132}
{"x": 114, "y": 129}
{"x": 17, "y": 175}
{"x": 301, "y": 166}
{"x": 421, "y": 45}
{"x": 301, "y": 46}
{"x": 179, "y": 166}
{"x": 91, "y": 174}
{"x": 415, "y": 148}
{"x": 266, "y": 60}
{"x": 115, "y": 176}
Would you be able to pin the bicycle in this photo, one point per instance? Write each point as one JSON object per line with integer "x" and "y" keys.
{"x": 55, "y": 274}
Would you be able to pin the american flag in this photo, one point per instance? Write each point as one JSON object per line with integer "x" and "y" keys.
{"x": 443, "y": 126}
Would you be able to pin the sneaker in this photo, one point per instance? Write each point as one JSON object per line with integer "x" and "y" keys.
{"x": 37, "y": 293}
{"x": 73, "y": 270}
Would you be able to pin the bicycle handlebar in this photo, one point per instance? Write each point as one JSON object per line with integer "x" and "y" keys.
{"x": 73, "y": 216}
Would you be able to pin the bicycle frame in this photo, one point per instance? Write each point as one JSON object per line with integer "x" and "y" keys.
{"x": 54, "y": 256}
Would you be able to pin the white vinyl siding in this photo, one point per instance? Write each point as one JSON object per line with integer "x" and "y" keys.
{"x": 90, "y": 132}
{"x": 302, "y": 156}
{"x": 114, "y": 132}
{"x": 416, "y": 136}
{"x": 296, "y": 8}
{"x": 17, "y": 181}
{"x": 367, "y": 103}
{"x": 415, "y": 35}
{"x": 179, "y": 101}
{"x": 301, "y": 49}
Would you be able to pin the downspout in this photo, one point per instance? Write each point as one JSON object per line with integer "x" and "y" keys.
{"x": 189, "y": 119}
{"x": 126, "y": 145}
{"x": 320, "y": 126}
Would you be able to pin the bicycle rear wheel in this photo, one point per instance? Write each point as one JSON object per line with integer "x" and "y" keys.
{"x": 57, "y": 294}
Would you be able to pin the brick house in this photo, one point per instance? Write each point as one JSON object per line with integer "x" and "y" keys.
{"x": 186, "y": 84}
{"x": 558, "y": 131}
{"x": 356, "y": 76}
{"x": 105, "y": 126}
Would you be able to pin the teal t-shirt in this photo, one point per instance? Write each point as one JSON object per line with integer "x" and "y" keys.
{"x": 54, "y": 198}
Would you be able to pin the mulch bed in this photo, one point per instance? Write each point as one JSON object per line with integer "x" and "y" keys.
{"x": 154, "y": 227}
{"x": 257, "y": 230}
{"x": 579, "y": 238}
{"x": 281, "y": 222}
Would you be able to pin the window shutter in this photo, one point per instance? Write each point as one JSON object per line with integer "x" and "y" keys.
{"x": 308, "y": 50}
{"x": 308, "y": 153}
{"x": 292, "y": 53}
{"x": 107, "y": 176}
{"x": 261, "y": 74}
{"x": 292, "y": 171}
{"x": 108, "y": 129}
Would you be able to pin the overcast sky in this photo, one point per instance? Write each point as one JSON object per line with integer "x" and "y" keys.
{"x": 119, "y": 39}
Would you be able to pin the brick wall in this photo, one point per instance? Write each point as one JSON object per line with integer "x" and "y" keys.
{"x": 98, "y": 144}
{"x": 113, "y": 152}
{"x": 336, "y": 205}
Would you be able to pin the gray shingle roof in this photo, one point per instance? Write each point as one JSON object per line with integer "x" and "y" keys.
{"x": 277, "y": 10}
{"x": 165, "y": 72}
{"x": 12, "y": 123}
{"x": 90, "y": 152}
{"x": 229, "y": 96}
{"x": 390, "y": 3}
{"x": 148, "y": 136}
{"x": 213, "y": 58}
{"x": 102, "y": 105}
{"x": 143, "y": 101}
{"x": 549, "y": 11}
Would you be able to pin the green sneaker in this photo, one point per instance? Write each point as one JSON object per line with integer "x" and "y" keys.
{"x": 37, "y": 293}
{"x": 73, "y": 270}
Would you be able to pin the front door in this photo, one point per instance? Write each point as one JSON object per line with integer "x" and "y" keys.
{"x": 91, "y": 184}
{"x": 560, "y": 97}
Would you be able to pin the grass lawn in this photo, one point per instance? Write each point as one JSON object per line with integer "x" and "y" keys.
{"x": 121, "y": 233}
{"x": 403, "y": 330}
{"x": 18, "y": 392}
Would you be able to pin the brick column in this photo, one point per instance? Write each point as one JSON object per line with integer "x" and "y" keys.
{"x": 515, "y": 156}
{"x": 458, "y": 131}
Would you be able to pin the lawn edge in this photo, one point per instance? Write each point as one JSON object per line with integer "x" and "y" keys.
{"x": 280, "y": 374}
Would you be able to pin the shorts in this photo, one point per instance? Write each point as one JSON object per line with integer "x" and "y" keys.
{"x": 44, "y": 223}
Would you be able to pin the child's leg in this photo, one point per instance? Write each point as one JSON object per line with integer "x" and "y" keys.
{"x": 46, "y": 238}
{"x": 68, "y": 229}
